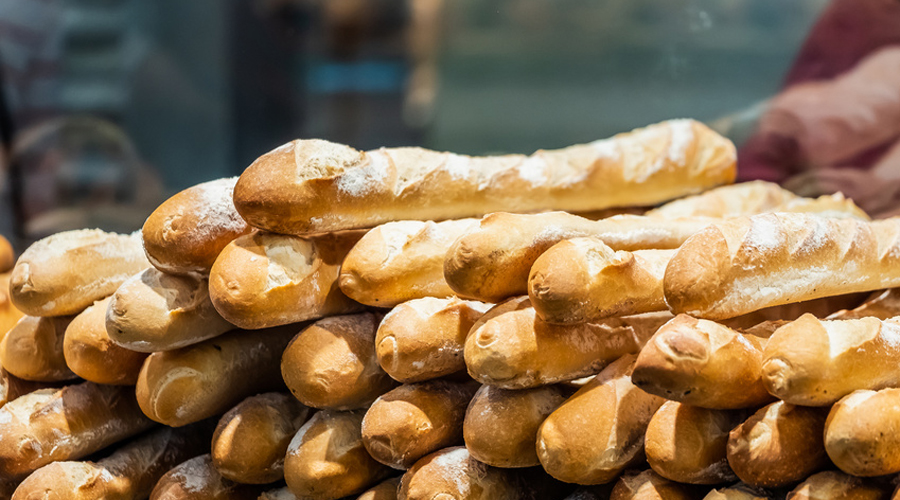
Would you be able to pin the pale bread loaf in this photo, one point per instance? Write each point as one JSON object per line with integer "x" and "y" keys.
{"x": 862, "y": 433}
{"x": 745, "y": 198}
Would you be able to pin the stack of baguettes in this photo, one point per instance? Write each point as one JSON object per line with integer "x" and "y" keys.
{"x": 255, "y": 340}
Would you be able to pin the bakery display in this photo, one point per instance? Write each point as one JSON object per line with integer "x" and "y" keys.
{"x": 392, "y": 324}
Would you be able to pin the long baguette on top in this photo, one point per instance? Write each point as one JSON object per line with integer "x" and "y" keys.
{"x": 741, "y": 265}
{"x": 745, "y": 198}
{"x": 312, "y": 185}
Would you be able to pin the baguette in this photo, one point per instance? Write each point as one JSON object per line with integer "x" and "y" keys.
{"x": 453, "y": 473}
{"x": 501, "y": 426}
{"x": 882, "y": 305}
{"x": 185, "y": 234}
{"x": 385, "y": 490}
{"x": 326, "y": 459}
{"x": 862, "y": 433}
{"x": 820, "y": 308}
{"x": 424, "y": 338}
{"x": 510, "y": 347}
{"x": 780, "y": 445}
{"x": 92, "y": 355}
{"x": 184, "y": 386}
{"x": 12, "y": 387}
{"x": 812, "y": 362}
{"x": 197, "y": 479}
{"x": 582, "y": 280}
{"x": 50, "y": 425}
{"x": 401, "y": 261}
{"x": 250, "y": 441}
{"x": 687, "y": 443}
{"x": 9, "y": 314}
{"x": 309, "y": 186}
{"x": 33, "y": 349}
{"x": 833, "y": 485}
{"x": 649, "y": 485}
{"x": 7, "y": 255}
{"x": 414, "y": 420}
{"x": 745, "y": 264}
{"x": 745, "y": 198}
{"x": 154, "y": 311}
{"x": 64, "y": 273}
{"x": 129, "y": 473}
{"x": 702, "y": 363}
{"x": 739, "y": 491}
{"x": 492, "y": 261}
{"x": 599, "y": 431}
{"x": 262, "y": 280}
{"x": 834, "y": 206}
{"x": 332, "y": 364}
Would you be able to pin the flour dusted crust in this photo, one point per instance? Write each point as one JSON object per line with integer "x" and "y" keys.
{"x": 64, "y": 273}
{"x": 198, "y": 479}
{"x": 186, "y": 233}
{"x": 648, "y": 485}
{"x": 401, "y": 261}
{"x": 453, "y": 473}
{"x": 313, "y": 185}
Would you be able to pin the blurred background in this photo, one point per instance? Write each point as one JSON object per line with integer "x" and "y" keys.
{"x": 110, "y": 106}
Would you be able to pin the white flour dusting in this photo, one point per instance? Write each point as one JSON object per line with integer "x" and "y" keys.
{"x": 459, "y": 167}
{"x": 360, "y": 180}
{"x": 454, "y": 466}
{"x": 534, "y": 170}
{"x": 682, "y": 136}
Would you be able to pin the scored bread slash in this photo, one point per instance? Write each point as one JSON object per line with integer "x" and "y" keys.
{"x": 309, "y": 186}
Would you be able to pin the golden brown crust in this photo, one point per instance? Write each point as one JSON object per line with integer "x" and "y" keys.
{"x": 187, "y": 385}
{"x": 582, "y": 279}
{"x": 501, "y": 426}
{"x": 492, "y": 261}
{"x": 413, "y": 420}
{"x": 385, "y": 490}
{"x": 703, "y": 363}
{"x": 33, "y": 349}
{"x": 92, "y": 355}
{"x": 599, "y": 431}
{"x": 12, "y": 387}
{"x": 831, "y": 485}
{"x": 424, "y": 338}
{"x": 198, "y": 479}
{"x": 820, "y": 308}
{"x": 312, "y": 185}
{"x": 745, "y": 198}
{"x": 780, "y": 445}
{"x": 649, "y": 485}
{"x": 154, "y": 311}
{"x": 262, "y": 279}
{"x": 748, "y": 263}
{"x": 64, "y": 273}
{"x": 7, "y": 255}
{"x": 186, "y": 233}
{"x": 814, "y": 362}
{"x": 251, "y": 440}
{"x": 326, "y": 458}
{"x": 453, "y": 473}
{"x": 332, "y": 364}
{"x": 510, "y": 347}
{"x": 687, "y": 443}
{"x": 739, "y": 491}
{"x": 401, "y": 261}
{"x": 862, "y": 431}
{"x": 65, "y": 424}
{"x": 884, "y": 304}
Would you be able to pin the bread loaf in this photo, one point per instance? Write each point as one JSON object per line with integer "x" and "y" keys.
{"x": 9, "y": 315}
{"x": 745, "y": 198}
{"x": 687, "y": 443}
{"x": 510, "y": 347}
{"x": 649, "y": 485}
{"x": 734, "y": 267}
{"x": 385, "y": 490}
{"x": 92, "y": 355}
{"x": 190, "y": 384}
{"x": 492, "y": 262}
{"x": 599, "y": 431}
{"x": 834, "y": 206}
{"x": 326, "y": 459}
{"x": 814, "y": 363}
{"x": 739, "y": 491}
{"x": 501, "y": 426}
{"x": 154, "y": 311}
{"x": 453, "y": 473}
{"x": 424, "y": 338}
{"x": 831, "y": 485}
{"x": 262, "y": 280}
{"x": 820, "y": 308}
{"x": 186, "y": 233}
{"x": 780, "y": 445}
{"x": 309, "y": 186}
{"x": 64, "y": 273}
{"x": 50, "y": 425}
{"x": 862, "y": 433}
{"x": 12, "y": 387}
{"x": 7, "y": 255}
{"x": 332, "y": 364}
{"x": 582, "y": 279}
{"x": 33, "y": 349}
{"x": 251, "y": 440}
{"x": 401, "y": 261}
{"x": 884, "y": 304}
{"x": 129, "y": 473}
{"x": 702, "y": 363}
{"x": 197, "y": 479}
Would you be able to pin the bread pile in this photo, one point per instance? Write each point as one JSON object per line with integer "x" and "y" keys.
{"x": 307, "y": 331}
